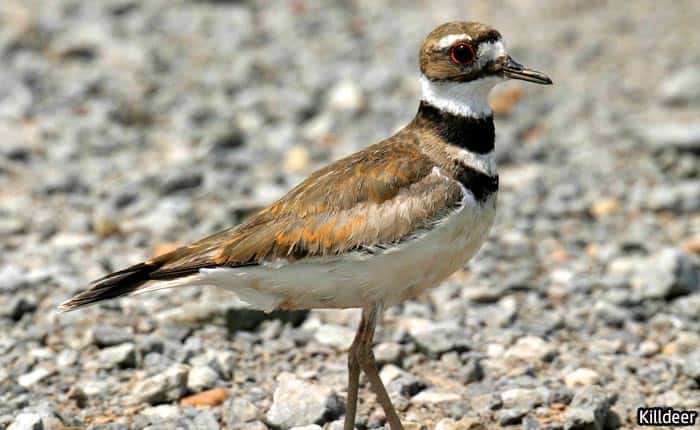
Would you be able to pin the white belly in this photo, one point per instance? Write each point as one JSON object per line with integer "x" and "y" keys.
{"x": 358, "y": 279}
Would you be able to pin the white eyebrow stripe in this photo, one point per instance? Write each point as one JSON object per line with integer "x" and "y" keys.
{"x": 448, "y": 40}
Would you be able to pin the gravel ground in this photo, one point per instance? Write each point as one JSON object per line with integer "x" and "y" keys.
{"x": 127, "y": 127}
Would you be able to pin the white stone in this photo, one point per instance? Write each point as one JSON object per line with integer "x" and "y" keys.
{"x": 390, "y": 372}
{"x": 346, "y": 96}
{"x": 26, "y": 422}
{"x": 31, "y": 378}
{"x": 296, "y": 402}
{"x": 648, "y": 348}
{"x": 521, "y": 398}
{"x": 201, "y": 377}
{"x": 433, "y": 397}
{"x": 581, "y": 377}
{"x": 163, "y": 412}
{"x": 334, "y": 335}
{"x": 530, "y": 348}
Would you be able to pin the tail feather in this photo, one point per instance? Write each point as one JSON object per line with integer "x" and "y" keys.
{"x": 172, "y": 266}
{"x": 114, "y": 285}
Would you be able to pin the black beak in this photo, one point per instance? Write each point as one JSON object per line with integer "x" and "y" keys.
{"x": 514, "y": 70}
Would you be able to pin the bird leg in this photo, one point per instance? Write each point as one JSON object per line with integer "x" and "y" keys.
{"x": 361, "y": 356}
{"x": 353, "y": 377}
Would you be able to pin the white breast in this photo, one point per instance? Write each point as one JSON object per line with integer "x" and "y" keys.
{"x": 356, "y": 279}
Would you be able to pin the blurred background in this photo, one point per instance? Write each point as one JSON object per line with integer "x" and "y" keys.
{"x": 129, "y": 127}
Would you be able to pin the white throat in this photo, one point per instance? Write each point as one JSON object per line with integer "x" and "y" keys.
{"x": 468, "y": 99}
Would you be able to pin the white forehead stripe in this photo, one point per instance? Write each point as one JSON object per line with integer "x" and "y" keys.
{"x": 448, "y": 40}
{"x": 491, "y": 50}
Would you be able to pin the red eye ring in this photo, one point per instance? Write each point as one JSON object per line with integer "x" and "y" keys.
{"x": 462, "y": 56}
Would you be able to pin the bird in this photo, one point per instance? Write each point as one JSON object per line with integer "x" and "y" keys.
{"x": 370, "y": 230}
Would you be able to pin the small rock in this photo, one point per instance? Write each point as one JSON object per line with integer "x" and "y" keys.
{"x": 164, "y": 387}
{"x": 297, "y": 159}
{"x": 206, "y": 419}
{"x": 691, "y": 365}
{"x": 311, "y": 427}
{"x": 92, "y": 388}
{"x": 18, "y": 306}
{"x": 255, "y": 425}
{"x": 12, "y": 278}
{"x": 508, "y": 417}
{"x": 11, "y": 225}
{"x": 463, "y": 424}
{"x": 31, "y": 378}
{"x": 612, "y": 315}
{"x": 530, "y": 423}
{"x": 682, "y": 87}
{"x": 522, "y": 398}
{"x": 103, "y": 336}
{"x": 438, "y": 340}
{"x": 210, "y": 398}
{"x": 221, "y": 142}
{"x": 531, "y": 348}
{"x": 406, "y": 385}
{"x": 391, "y": 372}
{"x": 297, "y": 403}
{"x": 589, "y": 410}
{"x": 239, "y": 410}
{"x": 162, "y": 412}
{"x": 486, "y": 402}
{"x": 334, "y": 335}
{"x": 581, "y": 377}
{"x": 26, "y": 421}
{"x": 180, "y": 180}
{"x": 123, "y": 356}
{"x": 435, "y": 397}
{"x": 678, "y": 135}
{"x": 668, "y": 274}
{"x": 685, "y": 343}
{"x": 387, "y": 353}
{"x": 67, "y": 358}
{"x": 561, "y": 395}
{"x": 201, "y": 377}
{"x": 680, "y": 197}
{"x": 470, "y": 372}
{"x": 648, "y": 348}
{"x": 104, "y": 223}
{"x": 346, "y": 96}
{"x": 604, "y": 207}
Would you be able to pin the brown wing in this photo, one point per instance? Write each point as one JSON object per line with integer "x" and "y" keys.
{"x": 379, "y": 196}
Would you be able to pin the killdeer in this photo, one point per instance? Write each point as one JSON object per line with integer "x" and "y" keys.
{"x": 370, "y": 230}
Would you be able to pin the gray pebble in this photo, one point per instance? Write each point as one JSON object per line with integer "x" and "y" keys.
{"x": 122, "y": 356}
{"x": 109, "y": 336}
{"x": 589, "y": 409}
{"x": 26, "y": 421}
{"x": 201, "y": 377}
{"x": 163, "y": 387}
{"x": 667, "y": 274}
{"x": 682, "y": 87}
{"x": 297, "y": 403}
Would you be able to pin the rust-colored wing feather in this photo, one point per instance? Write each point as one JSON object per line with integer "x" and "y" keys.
{"x": 376, "y": 197}
{"x": 372, "y": 199}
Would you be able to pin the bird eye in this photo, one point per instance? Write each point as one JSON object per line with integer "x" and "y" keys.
{"x": 462, "y": 53}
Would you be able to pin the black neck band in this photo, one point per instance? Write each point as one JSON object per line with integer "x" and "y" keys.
{"x": 473, "y": 134}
